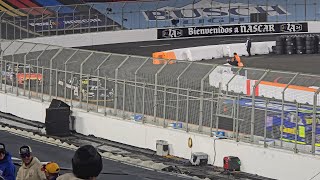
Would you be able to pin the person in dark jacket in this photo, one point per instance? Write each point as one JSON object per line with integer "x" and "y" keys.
{"x": 7, "y": 168}
{"x": 86, "y": 164}
{"x": 248, "y": 45}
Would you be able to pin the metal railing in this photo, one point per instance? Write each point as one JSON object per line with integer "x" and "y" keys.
{"x": 273, "y": 108}
{"x": 93, "y": 17}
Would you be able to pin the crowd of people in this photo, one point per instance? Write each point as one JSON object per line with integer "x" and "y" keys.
{"x": 86, "y": 164}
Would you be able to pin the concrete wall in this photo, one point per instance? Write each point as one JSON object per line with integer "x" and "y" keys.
{"x": 223, "y": 50}
{"x": 255, "y": 159}
{"x": 98, "y": 38}
{"x": 111, "y": 37}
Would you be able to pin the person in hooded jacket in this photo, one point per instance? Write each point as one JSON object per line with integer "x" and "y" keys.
{"x": 7, "y": 168}
{"x": 31, "y": 166}
{"x": 86, "y": 164}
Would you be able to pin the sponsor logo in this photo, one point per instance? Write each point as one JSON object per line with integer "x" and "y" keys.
{"x": 233, "y": 29}
{"x": 291, "y": 27}
{"x": 52, "y": 24}
{"x": 212, "y": 12}
{"x": 172, "y": 33}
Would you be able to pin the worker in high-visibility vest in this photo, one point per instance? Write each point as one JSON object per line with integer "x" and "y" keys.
{"x": 237, "y": 58}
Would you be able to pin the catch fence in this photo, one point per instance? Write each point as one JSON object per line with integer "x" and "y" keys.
{"x": 273, "y": 108}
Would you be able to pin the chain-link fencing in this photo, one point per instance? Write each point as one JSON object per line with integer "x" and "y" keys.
{"x": 272, "y": 108}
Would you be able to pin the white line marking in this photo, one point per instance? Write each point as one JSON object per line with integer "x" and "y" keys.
{"x": 154, "y": 45}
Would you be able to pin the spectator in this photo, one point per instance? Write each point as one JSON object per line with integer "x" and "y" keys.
{"x": 86, "y": 164}
{"x": 51, "y": 170}
{"x": 31, "y": 166}
{"x": 7, "y": 168}
{"x": 248, "y": 45}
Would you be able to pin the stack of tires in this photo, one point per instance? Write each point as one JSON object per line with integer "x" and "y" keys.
{"x": 297, "y": 44}
{"x": 301, "y": 44}
{"x": 279, "y": 49}
{"x": 290, "y": 45}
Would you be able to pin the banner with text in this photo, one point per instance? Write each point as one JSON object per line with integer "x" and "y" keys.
{"x": 265, "y": 28}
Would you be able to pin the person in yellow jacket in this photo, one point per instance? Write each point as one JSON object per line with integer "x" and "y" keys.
{"x": 31, "y": 166}
{"x": 86, "y": 164}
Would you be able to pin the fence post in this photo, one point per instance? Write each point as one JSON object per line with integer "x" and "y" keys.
{"x": 178, "y": 89}
{"x": 155, "y": 95}
{"x": 282, "y": 107}
{"x": 296, "y": 128}
{"x": 24, "y": 69}
{"x": 187, "y": 113}
{"x": 1, "y": 24}
{"x": 314, "y": 121}
{"x": 253, "y": 104}
{"x": 164, "y": 106}
{"x": 116, "y": 85}
{"x": 98, "y": 74}
{"x": 237, "y": 118}
{"x": 105, "y": 96}
{"x": 123, "y": 99}
{"x": 89, "y": 18}
{"x": 88, "y": 79}
{"x": 65, "y": 75}
{"x": 211, "y": 117}
{"x": 122, "y": 15}
{"x": 218, "y": 107}
{"x": 81, "y": 73}
{"x": 37, "y": 84}
{"x": 5, "y": 67}
{"x": 50, "y": 77}
{"x": 201, "y": 97}
{"x": 235, "y": 74}
{"x": 13, "y": 54}
{"x": 135, "y": 86}
{"x": 143, "y": 102}
{"x": 265, "y": 123}
{"x": 42, "y": 84}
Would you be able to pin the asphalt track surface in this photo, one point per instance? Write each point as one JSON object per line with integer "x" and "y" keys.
{"x": 63, "y": 157}
{"x": 295, "y": 63}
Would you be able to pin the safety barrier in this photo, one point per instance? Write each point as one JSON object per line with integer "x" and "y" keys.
{"x": 215, "y": 51}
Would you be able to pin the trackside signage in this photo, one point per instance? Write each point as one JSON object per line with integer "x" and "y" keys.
{"x": 233, "y": 29}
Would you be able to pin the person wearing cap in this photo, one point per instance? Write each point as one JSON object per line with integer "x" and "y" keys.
{"x": 31, "y": 166}
{"x": 86, "y": 164}
{"x": 51, "y": 170}
{"x": 7, "y": 168}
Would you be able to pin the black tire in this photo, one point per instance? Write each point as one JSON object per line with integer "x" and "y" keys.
{"x": 279, "y": 43}
{"x": 289, "y": 43}
{"x": 300, "y": 52}
{"x": 309, "y": 47}
{"x": 309, "y": 51}
{"x": 279, "y": 50}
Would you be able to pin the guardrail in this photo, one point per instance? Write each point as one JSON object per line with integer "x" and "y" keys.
{"x": 94, "y": 17}
{"x": 274, "y": 108}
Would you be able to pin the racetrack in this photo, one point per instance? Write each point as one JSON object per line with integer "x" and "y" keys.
{"x": 175, "y": 105}
{"x": 295, "y": 63}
